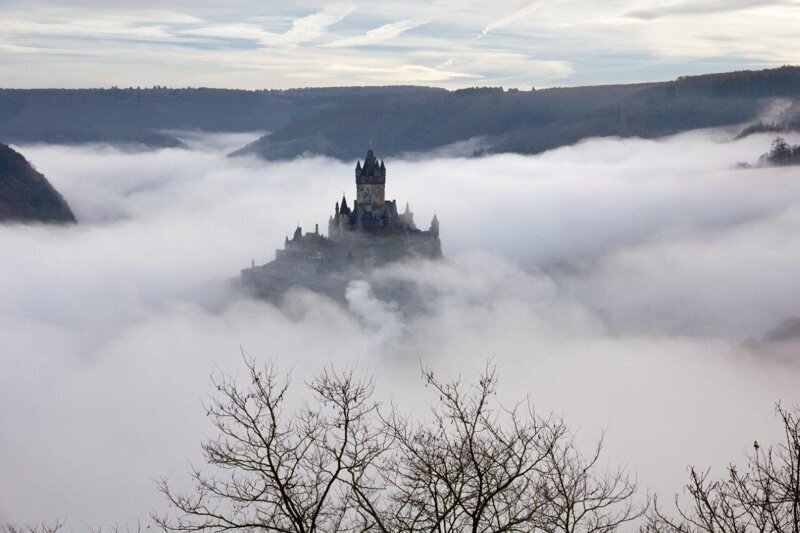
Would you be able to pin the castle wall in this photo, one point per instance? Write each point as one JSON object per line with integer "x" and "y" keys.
{"x": 371, "y": 194}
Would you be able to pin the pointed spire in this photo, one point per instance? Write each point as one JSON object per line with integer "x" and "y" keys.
{"x": 358, "y": 165}
{"x": 316, "y": 229}
{"x": 370, "y": 163}
{"x": 344, "y": 210}
{"x": 336, "y": 211}
{"x": 408, "y": 209}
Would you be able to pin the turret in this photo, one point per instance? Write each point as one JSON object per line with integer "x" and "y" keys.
{"x": 332, "y": 227}
{"x": 344, "y": 214}
{"x": 408, "y": 216}
{"x": 435, "y": 226}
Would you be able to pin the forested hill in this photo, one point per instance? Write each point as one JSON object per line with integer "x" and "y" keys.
{"x": 144, "y": 116}
{"x": 26, "y": 195}
{"x": 339, "y": 122}
{"x": 530, "y": 121}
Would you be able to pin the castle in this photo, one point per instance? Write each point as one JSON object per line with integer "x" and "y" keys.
{"x": 370, "y": 234}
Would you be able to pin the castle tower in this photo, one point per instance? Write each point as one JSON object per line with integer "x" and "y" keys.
{"x": 344, "y": 215}
{"x": 434, "y": 229}
{"x": 371, "y": 182}
{"x": 408, "y": 216}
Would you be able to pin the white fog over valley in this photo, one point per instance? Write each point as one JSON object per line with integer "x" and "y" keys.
{"x": 648, "y": 288}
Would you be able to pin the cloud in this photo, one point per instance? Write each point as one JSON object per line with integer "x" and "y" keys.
{"x": 313, "y": 26}
{"x": 694, "y": 8}
{"x": 236, "y": 44}
{"x": 402, "y": 73}
{"x": 302, "y": 29}
{"x": 381, "y": 34}
{"x": 510, "y": 19}
{"x": 382, "y": 319}
{"x": 610, "y": 280}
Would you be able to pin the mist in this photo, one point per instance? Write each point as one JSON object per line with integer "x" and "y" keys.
{"x": 628, "y": 285}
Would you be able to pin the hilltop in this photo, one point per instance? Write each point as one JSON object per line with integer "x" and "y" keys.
{"x": 26, "y": 195}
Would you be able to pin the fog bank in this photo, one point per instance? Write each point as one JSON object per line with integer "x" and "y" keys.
{"x": 615, "y": 282}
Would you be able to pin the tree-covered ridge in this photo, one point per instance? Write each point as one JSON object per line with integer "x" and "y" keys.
{"x": 339, "y": 121}
{"x": 141, "y": 115}
{"x": 530, "y": 121}
{"x": 781, "y": 153}
{"x": 26, "y": 195}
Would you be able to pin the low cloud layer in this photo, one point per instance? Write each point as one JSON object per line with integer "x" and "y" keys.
{"x": 631, "y": 285}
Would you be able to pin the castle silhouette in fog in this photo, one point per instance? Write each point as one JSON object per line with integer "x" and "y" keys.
{"x": 370, "y": 234}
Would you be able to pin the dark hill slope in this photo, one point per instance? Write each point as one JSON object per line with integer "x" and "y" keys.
{"x": 141, "y": 115}
{"x": 419, "y": 122}
{"x": 530, "y": 122}
{"x": 26, "y": 195}
{"x": 340, "y": 121}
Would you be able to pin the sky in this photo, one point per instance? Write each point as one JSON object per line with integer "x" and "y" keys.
{"x": 647, "y": 288}
{"x": 447, "y": 43}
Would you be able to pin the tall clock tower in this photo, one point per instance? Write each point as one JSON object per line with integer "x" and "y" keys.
{"x": 371, "y": 182}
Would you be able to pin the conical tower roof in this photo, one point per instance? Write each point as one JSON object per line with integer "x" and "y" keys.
{"x": 370, "y": 163}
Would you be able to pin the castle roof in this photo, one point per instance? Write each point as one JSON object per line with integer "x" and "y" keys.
{"x": 371, "y": 167}
{"x": 370, "y": 161}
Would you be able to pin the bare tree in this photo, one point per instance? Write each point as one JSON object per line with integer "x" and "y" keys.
{"x": 763, "y": 498}
{"x": 475, "y": 467}
{"x": 481, "y": 467}
{"x": 45, "y": 527}
{"x": 284, "y": 473}
{"x": 584, "y": 498}
{"x": 59, "y": 525}
{"x": 344, "y": 466}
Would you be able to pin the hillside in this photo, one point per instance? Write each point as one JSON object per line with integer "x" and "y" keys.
{"x": 340, "y": 121}
{"x": 141, "y": 115}
{"x": 531, "y": 121}
{"x": 26, "y": 195}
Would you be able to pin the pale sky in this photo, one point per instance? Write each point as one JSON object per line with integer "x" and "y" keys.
{"x": 446, "y": 43}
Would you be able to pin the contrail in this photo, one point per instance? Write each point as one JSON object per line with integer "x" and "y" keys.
{"x": 522, "y": 13}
